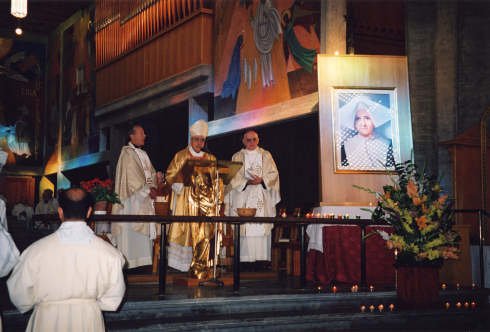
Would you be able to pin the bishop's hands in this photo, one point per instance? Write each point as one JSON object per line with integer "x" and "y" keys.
{"x": 160, "y": 179}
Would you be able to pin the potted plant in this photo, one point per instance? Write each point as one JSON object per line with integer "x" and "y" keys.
{"x": 422, "y": 219}
{"x": 101, "y": 191}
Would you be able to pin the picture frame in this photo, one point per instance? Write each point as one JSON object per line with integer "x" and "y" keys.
{"x": 365, "y": 129}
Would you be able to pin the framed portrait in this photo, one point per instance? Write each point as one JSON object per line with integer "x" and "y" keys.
{"x": 365, "y": 129}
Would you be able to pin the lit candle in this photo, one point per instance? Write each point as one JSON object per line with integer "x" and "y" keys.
{"x": 319, "y": 288}
{"x": 473, "y": 304}
{"x": 339, "y": 216}
{"x": 334, "y": 289}
{"x": 354, "y": 288}
{"x": 392, "y": 307}
{"x": 325, "y": 215}
{"x": 447, "y": 305}
{"x": 381, "y": 307}
{"x": 363, "y": 308}
{"x": 371, "y": 288}
{"x": 371, "y": 308}
{"x": 473, "y": 286}
{"x": 346, "y": 216}
{"x": 466, "y": 305}
{"x": 458, "y": 305}
{"x": 284, "y": 214}
{"x": 318, "y": 215}
{"x": 458, "y": 286}
{"x": 443, "y": 286}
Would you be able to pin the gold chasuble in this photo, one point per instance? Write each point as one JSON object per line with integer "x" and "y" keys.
{"x": 197, "y": 197}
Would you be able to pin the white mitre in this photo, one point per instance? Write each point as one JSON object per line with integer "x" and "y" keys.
{"x": 199, "y": 128}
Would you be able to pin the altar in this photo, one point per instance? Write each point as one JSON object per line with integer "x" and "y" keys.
{"x": 334, "y": 251}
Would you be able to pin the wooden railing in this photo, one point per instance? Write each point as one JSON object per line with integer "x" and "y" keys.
{"x": 121, "y": 26}
{"x": 301, "y": 223}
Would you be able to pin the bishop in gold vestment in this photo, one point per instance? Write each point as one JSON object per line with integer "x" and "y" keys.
{"x": 189, "y": 243}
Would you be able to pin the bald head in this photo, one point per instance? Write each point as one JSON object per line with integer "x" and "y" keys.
{"x": 75, "y": 204}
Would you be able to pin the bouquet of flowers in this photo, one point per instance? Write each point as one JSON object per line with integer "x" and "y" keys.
{"x": 421, "y": 216}
{"x": 101, "y": 190}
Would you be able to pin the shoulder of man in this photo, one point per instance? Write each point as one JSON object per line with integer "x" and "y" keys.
{"x": 107, "y": 247}
{"x": 39, "y": 246}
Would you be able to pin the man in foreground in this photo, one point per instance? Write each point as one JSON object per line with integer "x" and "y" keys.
{"x": 69, "y": 276}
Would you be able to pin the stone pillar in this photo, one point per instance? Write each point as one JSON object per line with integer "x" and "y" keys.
{"x": 445, "y": 67}
{"x": 420, "y": 39}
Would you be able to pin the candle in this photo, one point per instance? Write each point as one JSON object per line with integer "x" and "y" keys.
{"x": 363, "y": 308}
{"x": 319, "y": 288}
{"x": 381, "y": 307}
{"x": 473, "y": 304}
{"x": 339, "y": 216}
{"x": 473, "y": 286}
{"x": 443, "y": 286}
{"x": 283, "y": 214}
{"x": 391, "y": 306}
{"x": 466, "y": 305}
{"x": 334, "y": 289}
{"x": 346, "y": 216}
{"x": 318, "y": 215}
{"x": 371, "y": 308}
{"x": 371, "y": 288}
{"x": 458, "y": 305}
{"x": 458, "y": 286}
{"x": 447, "y": 305}
{"x": 354, "y": 288}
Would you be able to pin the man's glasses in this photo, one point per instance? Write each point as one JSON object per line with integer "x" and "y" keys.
{"x": 251, "y": 139}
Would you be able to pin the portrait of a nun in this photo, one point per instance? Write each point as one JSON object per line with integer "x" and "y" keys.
{"x": 367, "y": 140}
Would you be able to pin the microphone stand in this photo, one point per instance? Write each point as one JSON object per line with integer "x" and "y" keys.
{"x": 214, "y": 281}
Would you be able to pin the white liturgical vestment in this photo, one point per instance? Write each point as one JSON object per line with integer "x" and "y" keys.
{"x": 135, "y": 176}
{"x": 255, "y": 239}
{"x": 68, "y": 277}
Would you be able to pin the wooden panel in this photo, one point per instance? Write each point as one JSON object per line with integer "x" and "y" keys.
{"x": 459, "y": 270}
{"x": 18, "y": 189}
{"x": 381, "y": 72}
{"x": 176, "y": 51}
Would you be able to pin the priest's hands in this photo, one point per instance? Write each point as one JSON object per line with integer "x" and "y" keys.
{"x": 255, "y": 180}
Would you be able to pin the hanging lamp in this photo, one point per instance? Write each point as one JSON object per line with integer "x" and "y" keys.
{"x": 18, "y": 8}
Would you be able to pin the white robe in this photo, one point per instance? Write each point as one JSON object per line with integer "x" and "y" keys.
{"x": 135, "y": 243}
{"x": 9, "y": 254}
{"x": 68, "y": 277}
{"x": 47, "y": 208}
{"x": 255, "y": 239}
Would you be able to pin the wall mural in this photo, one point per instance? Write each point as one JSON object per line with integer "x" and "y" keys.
{"x": 21, "y": 100}
{"x": 265, "y": 53}
{"x": 77, "y": 101}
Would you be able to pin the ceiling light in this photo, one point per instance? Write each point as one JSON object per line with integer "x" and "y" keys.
{"x": 18, "y": 31}
{"x": 18, "y": 8}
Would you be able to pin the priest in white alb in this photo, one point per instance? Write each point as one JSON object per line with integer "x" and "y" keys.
{"x": 70, "y": 276}
{"x": 136, "y": 182}
{"x": 256, "y": 185}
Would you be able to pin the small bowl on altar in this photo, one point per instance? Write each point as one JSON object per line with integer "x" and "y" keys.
{"x": 246, "y": 212}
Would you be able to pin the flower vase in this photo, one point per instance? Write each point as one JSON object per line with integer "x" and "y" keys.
{"x": 100, "y": 207}
{"x": 418, "y": 286}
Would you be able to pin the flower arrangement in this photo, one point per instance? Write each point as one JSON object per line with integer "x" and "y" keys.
{"x": 101, "y": 190}
{"x": 421, "y": 216}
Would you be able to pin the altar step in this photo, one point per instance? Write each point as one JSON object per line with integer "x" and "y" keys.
{"x": 290, "y": 312}
{"x": 298, "y": 312}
